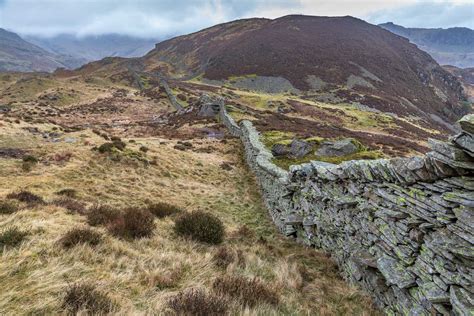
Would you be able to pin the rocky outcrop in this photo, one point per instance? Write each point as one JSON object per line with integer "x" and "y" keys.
{"x": 402, "y": 228}
{"x": 171, "y": 96}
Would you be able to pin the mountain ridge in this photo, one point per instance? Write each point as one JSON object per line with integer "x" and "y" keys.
{"x": 452, "y": 46}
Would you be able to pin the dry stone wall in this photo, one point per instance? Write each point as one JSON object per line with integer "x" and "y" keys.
{"x": 402, "y": 229}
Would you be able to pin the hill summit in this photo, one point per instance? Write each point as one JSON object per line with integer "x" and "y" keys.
{"x": 344, "y": 56}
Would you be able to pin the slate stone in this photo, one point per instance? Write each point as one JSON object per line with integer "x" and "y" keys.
{"x": 337, "y": 148}
{"x": 300, "y": 148}
{"x": 395, "y": 273}
{"x": 467, "y": 123}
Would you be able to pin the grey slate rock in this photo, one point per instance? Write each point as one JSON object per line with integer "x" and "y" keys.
{"x": 338, "y": 148}
{"x": 395, "y": 273}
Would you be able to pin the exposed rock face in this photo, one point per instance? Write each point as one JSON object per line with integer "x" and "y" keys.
{"x": 280, "y": 150}
{"x": 209, "y": 107}
{"x": 338, "y": 148}
{"x": 402, "y": 229}
{"x": 300, "y": 148}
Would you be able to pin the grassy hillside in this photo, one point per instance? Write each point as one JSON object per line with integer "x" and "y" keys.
{"x": 51, "y": 146}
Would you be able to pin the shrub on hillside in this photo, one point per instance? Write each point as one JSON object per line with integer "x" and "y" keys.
{"x": 80, "y": 236}
{"x": 26, "y": 196}
{"x": 101, "y": 215}
{"x": 85, "y": 297}
{"x": 249, "y": 291}
{"x": 144, "y": 149}
{"x": 71, "y": 205}
{"x": 11, "y": 237}
{"x": 198, "y": 303}
{"x": 200, "y": 226}
{"x": 133, "y": 223}
{"x": 72, "y": 193}
{"x": 8, "y": 207}
{"x": 223, "y": 257}
{"x": 162, "y": 209}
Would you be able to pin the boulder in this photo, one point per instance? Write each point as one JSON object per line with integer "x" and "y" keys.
{"x": 338, "y": 148}
{"x": 300, "y": 148}
{"x": 209, "y": 107}
{"x": 467, "y": 123}
{"x": 280, "y": 150}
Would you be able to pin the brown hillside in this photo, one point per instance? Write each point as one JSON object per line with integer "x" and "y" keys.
{"x": 395, "y": 75}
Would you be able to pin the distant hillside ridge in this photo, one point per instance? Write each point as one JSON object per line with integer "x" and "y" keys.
{"x": 94, "y": 47}
{"x": 16, "y": 54}
{"x": 452, "y": 46}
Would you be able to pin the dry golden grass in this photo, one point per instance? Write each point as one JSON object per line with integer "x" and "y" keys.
{"x": 142, "y": 275}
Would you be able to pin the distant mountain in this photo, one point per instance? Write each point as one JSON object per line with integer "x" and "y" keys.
{"x": 452, "y": 46}
{"x": 16, "y": 54}
{"x": 90, "y": 48}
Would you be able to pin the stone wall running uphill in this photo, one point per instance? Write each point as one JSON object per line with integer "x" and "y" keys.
{"x": 402, "y": 228}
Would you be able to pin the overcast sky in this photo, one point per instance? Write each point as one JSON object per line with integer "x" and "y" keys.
{"x": 164, "y": 18}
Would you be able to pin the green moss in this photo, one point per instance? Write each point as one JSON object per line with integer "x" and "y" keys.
{"x": 271, "y": 138}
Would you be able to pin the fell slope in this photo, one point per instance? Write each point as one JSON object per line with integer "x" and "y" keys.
{"x": 17, "y": 54}
{"x": 89, "y": 48}
{"x": 452, "y": 46}
{"x": 342, "y": 55}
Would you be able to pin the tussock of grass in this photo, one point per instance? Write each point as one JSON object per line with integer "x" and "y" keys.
{"x": 80, "y": 236}
{"x": 101, "y": 215}
{"x": 11, "y": 237}
{"x": 72, "y": 193}
{"x": 86, "y": 298}
{"x": 197, "y": 302}
{"x": 8, "y": 207}
{"x": 132, "y": 223}
{"x": 223, "y": 257}
{"x": 26, "y": 197}
{"x": 162, "y": 209}
{"x": 248, "y": 291}
{"x": 200, "y": 226}
{"x": 72, "y": 205}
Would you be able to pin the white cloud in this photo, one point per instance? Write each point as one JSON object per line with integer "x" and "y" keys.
{"x": 163, "y": 18}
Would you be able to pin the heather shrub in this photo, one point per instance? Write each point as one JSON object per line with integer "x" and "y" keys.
{"x": 248, "y": 291}
{"x": 85, "y": 297}
{"x": 144, "y": 149}
{"x": 197, "y": 302}
{"x": 80, "y": 236}
{"x": 162, "y": 209}
{"x": 71, "y": 205}
{"x": 200, "y": 226}
{"x": 11, "y": 237}
{"x": 26, "y": 196}
{"x": 101, "y": 215}
{"x": 133, "y": 223}
{"x": 72, "y": 193}
{"x": 223, "y": 257}
{"x": 8, "y": 207}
